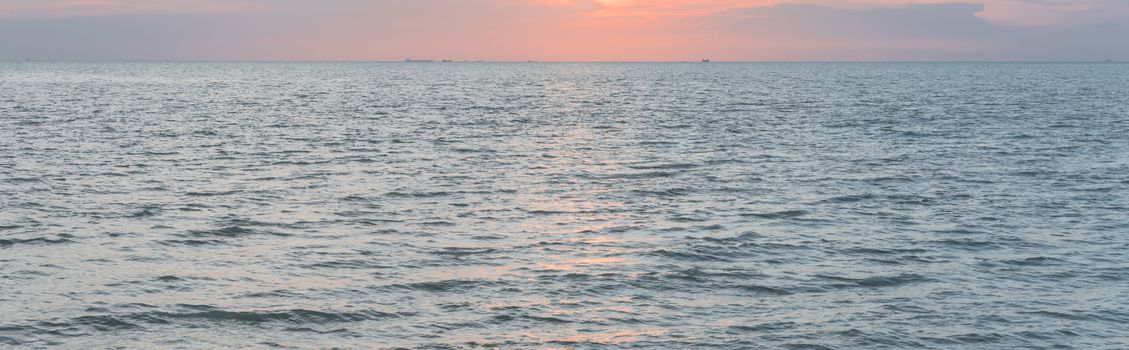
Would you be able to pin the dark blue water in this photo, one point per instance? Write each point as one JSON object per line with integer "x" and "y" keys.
{"x": 696, "y": 206}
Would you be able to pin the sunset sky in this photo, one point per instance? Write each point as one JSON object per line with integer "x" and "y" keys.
{"x": 564, "y": 30}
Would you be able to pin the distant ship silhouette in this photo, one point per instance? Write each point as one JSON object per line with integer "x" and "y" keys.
{"x": 409, "y": 60}
{"x": 706, "y": 60}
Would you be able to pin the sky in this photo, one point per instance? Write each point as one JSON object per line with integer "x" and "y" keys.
{"x": 566, "y": 30}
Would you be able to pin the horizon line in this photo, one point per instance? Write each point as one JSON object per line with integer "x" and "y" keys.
{"x": 439, "y": 62}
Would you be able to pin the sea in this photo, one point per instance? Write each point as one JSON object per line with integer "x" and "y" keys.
{"x": 564, "y": 205}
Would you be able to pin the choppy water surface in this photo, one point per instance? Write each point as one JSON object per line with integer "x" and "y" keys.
{"x": 710, "y": 206}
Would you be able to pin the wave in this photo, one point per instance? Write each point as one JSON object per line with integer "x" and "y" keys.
{"x": 1035, "y": 261}
{"x": 460, "y": 252}
{"x": 877, "y": 281}
{"x": 210, "y": 314}
{"x": 211, "y": 193}
{"x": 228, "y": 232}
{"x": 786, "y": 214}
{"x": 192, "y": 242}
{"x": 764, "y": 327}
{"x": 880, "y": 251}
{"x": 759, "y": 289}
{"x": 292, "y": 316}
{"x": 664, "y": 166}
{"x": 850, "y": 198}
{"x": 444, "y": 286}
{"x": 744, "y": 237}
{"x": 687, "y": 256}
{"x": 34, "y": 241}
{"x": 630, "y": 176}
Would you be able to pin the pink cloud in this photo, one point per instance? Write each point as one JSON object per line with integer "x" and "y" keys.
{"x": 78, "y": 8}
{"x": 1009, "y": 12}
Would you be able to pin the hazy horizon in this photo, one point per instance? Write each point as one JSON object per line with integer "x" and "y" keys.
{"x": 440, "y": 61}
{"x": 565, "y": 30}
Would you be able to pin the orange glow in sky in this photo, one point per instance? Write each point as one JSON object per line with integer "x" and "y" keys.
{"x": 565, "y": 30}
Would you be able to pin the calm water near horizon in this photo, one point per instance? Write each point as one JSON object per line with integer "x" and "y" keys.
{"x": 586, "y": 206}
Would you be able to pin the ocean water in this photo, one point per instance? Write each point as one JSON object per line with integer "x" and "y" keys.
{"x": 586, "y": 206}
